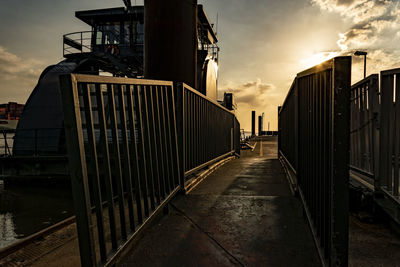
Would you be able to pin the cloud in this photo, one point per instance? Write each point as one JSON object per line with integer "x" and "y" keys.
{"x": 357, "y": 10}
{"x": 13, "y": 67}
{"x": 375, "y": 28}
{"x": 253, "y": 93}
{"x": 374, "y": 21}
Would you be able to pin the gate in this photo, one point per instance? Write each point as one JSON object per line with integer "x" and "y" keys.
{"x": 314, "y": 125}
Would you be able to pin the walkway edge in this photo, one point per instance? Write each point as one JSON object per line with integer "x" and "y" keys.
{"x": 202, "y": 176}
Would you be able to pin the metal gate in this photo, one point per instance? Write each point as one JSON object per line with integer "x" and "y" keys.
{"x": 314, "y": 124}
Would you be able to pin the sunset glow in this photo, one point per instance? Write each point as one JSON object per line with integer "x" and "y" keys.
{"x": 317, "y": 58}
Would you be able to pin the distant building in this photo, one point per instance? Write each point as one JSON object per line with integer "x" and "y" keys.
{"x": 11, "y": 111}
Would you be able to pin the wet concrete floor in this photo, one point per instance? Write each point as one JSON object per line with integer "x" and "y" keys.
{"x": 242, "y": 215}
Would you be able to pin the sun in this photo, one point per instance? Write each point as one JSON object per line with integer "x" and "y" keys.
{"x": 317, "y": 58}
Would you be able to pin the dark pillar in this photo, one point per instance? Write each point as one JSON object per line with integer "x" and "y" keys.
{"x": 259, "y": 125}
{"x": 253, "y": 123}
{"x": 170, "y": 51}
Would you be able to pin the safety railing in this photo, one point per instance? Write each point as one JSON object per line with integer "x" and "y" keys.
{"x": 106, "y": 41}
{"x": 389, "y": 160}
{"x": 6, "y": 142}
{"x": 128, "y": 180}
{"x": 364, "y": 133}
{"x": 315, "y": 121}
{"x": 39, "y": 142}
{"x": 130, "y": 144}
{"x": 207, "y": 131}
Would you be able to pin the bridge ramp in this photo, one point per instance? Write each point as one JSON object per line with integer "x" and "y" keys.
{"x": 243, "y": 214}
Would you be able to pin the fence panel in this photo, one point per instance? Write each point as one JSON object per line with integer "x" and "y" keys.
{"x": 288, "y": 128}
{"x": 315, "y": 119}
{"x": 122, "y": 148}
{"x": 208, "y": 130}
{"x": 364, "y": 107}
{"x": 390, "y": 133}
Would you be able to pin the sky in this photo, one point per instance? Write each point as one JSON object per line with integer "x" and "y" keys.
{"x": 264, "y": 43}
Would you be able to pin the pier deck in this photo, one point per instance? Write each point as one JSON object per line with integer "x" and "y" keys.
{"x": 243, "y": 214}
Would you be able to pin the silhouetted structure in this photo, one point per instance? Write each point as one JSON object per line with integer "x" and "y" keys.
{"x": 253, "y": 123}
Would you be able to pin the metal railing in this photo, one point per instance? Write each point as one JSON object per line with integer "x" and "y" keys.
{"x": 156, "y": 128}
{"x": 314, "y": 141}
{"x": 207, "y": 131}
{"x": 389, "y": 160}
{"x": 364, "y": 133}
{"x": 135, "y": 176}
{"x": 86, "y": 42}
{"x": 375, "y": 138}
{"x": 6, "y": 143}
{"x": 39, "y": 142}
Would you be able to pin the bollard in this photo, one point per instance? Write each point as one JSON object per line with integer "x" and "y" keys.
{"x": 261, "y": 149}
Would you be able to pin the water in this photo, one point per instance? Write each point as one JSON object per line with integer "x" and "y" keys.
{"x": 27, "y": 210}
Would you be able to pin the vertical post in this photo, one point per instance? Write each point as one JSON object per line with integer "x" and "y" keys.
{"x": 385, "y": 162}
{"x": 365, "y": 66}
{"x": 253, "y": 123}
{"x": 279, "y": 129}
{"x": 340, "y": 160}
{"x": 77, "y": 162}
{"x": 179, "y": 102}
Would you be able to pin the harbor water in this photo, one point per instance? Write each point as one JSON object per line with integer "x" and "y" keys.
{"x": 27, "y": 210}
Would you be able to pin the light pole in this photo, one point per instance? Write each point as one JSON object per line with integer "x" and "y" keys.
{"x": 363, "y": 53}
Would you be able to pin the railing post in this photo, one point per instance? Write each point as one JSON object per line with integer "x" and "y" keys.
{"x": 373, "y": 94}
{"x": 179, "y": 104}
{"x": 77, "y": 163}
{"x": 340, "y": 160}
{"x": 385, "y": 162}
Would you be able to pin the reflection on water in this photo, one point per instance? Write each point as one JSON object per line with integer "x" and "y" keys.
{"x": 7, "y": 233}
{"x": 27, "y": 210}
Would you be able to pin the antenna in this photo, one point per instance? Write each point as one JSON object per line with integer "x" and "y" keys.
{"x": 127, "y": 3}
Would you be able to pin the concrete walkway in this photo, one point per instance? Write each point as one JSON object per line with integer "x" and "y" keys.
{"x": 242, "y": 215}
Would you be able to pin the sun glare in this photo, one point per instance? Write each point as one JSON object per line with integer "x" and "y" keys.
{"x": 317, "y": 58}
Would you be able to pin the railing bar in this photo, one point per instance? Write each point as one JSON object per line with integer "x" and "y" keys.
{"x": 320, "y": 156}
{"x": 396, "y": 140}
{"x": 164, "y": 141}
{"x": 174, "y": 143}
{"x": 117, "y": 159}
{"x": 92, "y": 79}
{"x": 149, "y": 154}
{"x": 191, "y": 131}
{"x": 106, "y": 164}
{"x": 154, "y": 144}
{"x": 171, "y": 125}
{"x": 169, "y": 137}
{"x": 127, "y": 172}
{"x": 185, "y": 128}
{"x": 94, "y": 169}
{"x": 323, "y": 160}
{"x": 385, "y": 148}
{"x": 134, "y": 153}
{"x": 145, "y": 170}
